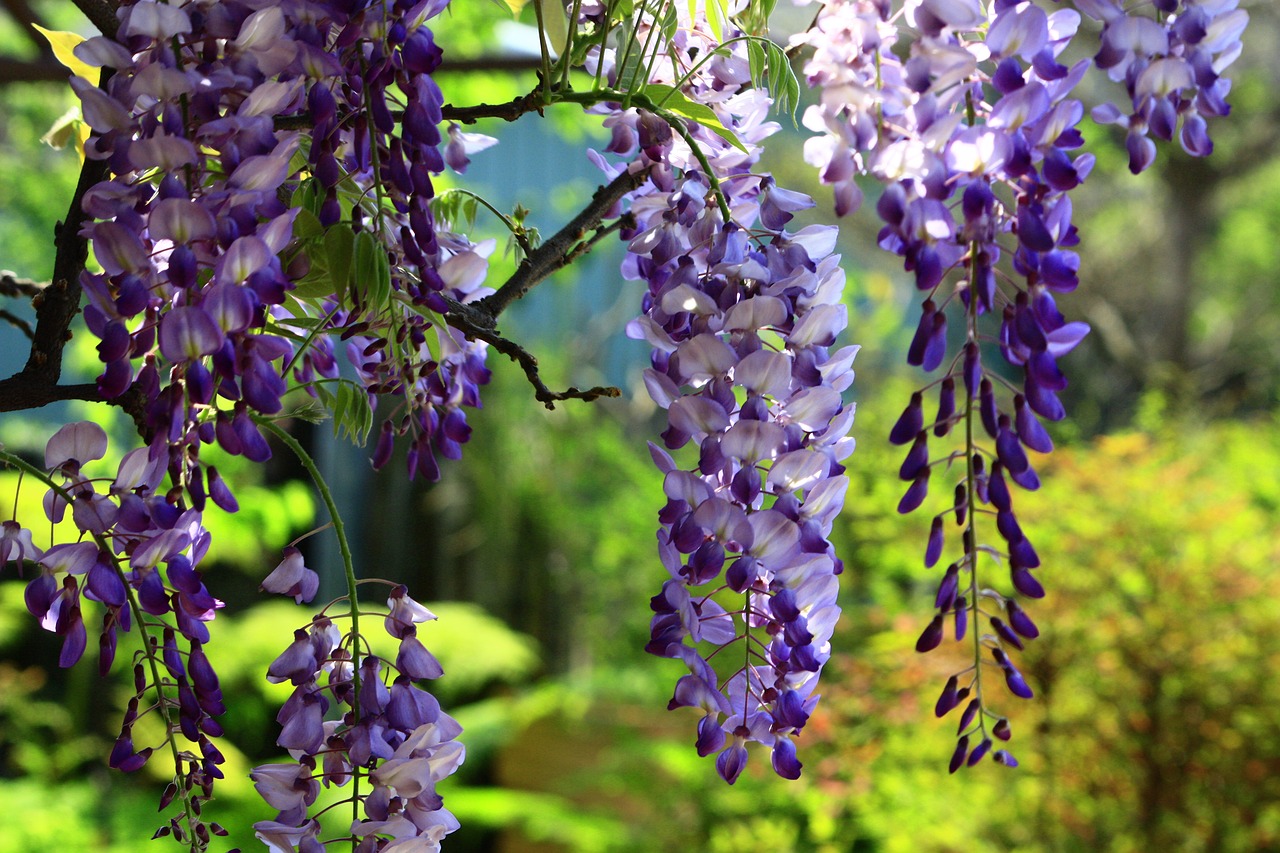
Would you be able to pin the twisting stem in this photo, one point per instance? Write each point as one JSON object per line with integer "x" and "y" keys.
{"x": 557, "y": 251}
{"x": 348, "y": 565}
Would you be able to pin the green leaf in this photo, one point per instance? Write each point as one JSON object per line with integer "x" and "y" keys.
{"x": 352, "y": 414}
{"x": 371, "y": 274}
{"x": 306, "y": 224}
{"x": 339, "y": 248}
{"x": 674, "y": 101}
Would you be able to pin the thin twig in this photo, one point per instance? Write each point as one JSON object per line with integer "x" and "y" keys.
{"x": 16, "y": 321}
{"x": 12, "y": 286}
{"x": 563, "y": 247}
{"x": 544, "y": 395}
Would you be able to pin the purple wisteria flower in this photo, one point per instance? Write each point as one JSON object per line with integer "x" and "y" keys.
{"x": 361, "y": 716}
{"x": 135, "y": 566}
{"x": 967, "y": 116}
{"x": 742, "y": 316}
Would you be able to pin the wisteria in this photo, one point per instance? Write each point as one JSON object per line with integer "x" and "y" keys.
{"x": 260, "y": 200}
{"x": 138, "y": 563}
{"x": 384, "y": 721}
{"x": 974, "y": 130}
{"x": 742, "y": 315}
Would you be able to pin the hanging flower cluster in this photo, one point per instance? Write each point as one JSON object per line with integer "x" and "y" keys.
{"x": 742, "y": 315}
{"x": 234, "y": 249}
{"x": 386, "y": 730}
{"x": 973, "y": 129}
{"x": 210, "y": 277}
{"x": 138, "y": 562}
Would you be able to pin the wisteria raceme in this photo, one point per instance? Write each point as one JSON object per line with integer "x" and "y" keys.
{"x": 381, "y": 727}
{"x": 234, "y": 248}
{"x": 742, "y": 315}
{"x": 218, "y": 229}
{"x": 973, "y": 129}
{"x": 138, "y": 563}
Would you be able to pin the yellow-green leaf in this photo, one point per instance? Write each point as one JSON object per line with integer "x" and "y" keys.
{"x": 63, "y": 45}
{"x": 673, "y": 100}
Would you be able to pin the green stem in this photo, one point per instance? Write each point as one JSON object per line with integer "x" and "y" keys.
{"x": 678, "y": 125}
{"x": 348, "y": 565}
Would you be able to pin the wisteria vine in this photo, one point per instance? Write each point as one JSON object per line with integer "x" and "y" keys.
{"x": 972, "y": 127}
{"x": 260, "y": 194}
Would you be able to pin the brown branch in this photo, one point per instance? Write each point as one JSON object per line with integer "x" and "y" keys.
{"x": 478, "y": 320}
{"x": 457, "y": 317}
{"x": 489, "y": 63}
{"x": 561, "y": 249}
{"x": 59, "y": 303}
{"x": 102, "y": 14}
{"x": 17, "y": 322}
{"x": 13, "y": 287}
{"x": 20, "y": 392}
{"x": 509, "y": 111}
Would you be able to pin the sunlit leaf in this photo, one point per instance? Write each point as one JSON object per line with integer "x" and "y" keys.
{"x": 63, "y": 45}
{"x": 675, "y": 101}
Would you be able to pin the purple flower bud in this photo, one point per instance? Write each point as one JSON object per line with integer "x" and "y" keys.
{"x": 910, "y": 422}
{"x": 933, "y": 551}
{"x": 415, "y": 661}
{"x": 1007, "y": 524}
{"x": 998, "y": 490}
{"x": 785, "y": 763}
{"x": 978, "y": 752}
{"x": 730, "y": 763}
{"x": 931, "y": 637}
{"x": 972, "y": 369}
{"x": 947, "y": 700}
{"x": 961, "y": 611}
{"x": 1005, "y": 633}
{"x": 292, "y": 577}
{"x": 915, "y": 493}
{"x": 1009, "y": 449}
{"x": 946, "y": 407}
{"x": 947, "y": 589}
{"x": 936, "y": 346}
{"x": 970, "y": 713}
{"x": 920, "y": 341}
{"x": 917, "y": 460}
{"x": 1015, "y": 682}
{"x": 957, "y": 757}
{"x": 302, "y": 722}
{"x": 296, "y": 664}
{"x": 1025, "y": 583}
{"x": 987, "y": 408}
{"x": 1020, "y": 621}
{"x": 710, "y": 735}
{"x": 124, "y": 758}
{"x": 1030, "y": 431}
{"x": 1002, "y": 756}
{"x": 1001, "y": 729}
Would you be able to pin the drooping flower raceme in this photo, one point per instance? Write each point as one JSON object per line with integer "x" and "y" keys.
{"x": 138, "y": 561}
{"x": 234, "y": 249}
{"x": 966, "y": 115}
{"x": 742, "y": 315}
{"x": 352, "y": 717}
